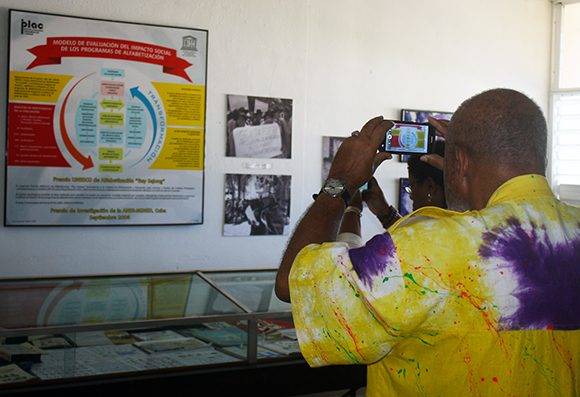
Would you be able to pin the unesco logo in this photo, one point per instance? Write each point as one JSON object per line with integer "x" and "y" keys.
{"x": 30, "y": 28}
{"x": 189, "y": 46}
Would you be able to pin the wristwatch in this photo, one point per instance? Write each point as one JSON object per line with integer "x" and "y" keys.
{"x": 336, "y": 188}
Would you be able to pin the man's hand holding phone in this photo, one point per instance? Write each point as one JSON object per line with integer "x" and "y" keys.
{"x": 442, "y": 127}
{"x": 357, "y": 157}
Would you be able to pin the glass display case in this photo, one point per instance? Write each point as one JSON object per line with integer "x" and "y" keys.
{"x": 62, "y": 330}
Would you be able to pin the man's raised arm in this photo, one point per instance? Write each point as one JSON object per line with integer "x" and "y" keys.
{"x": 353, "y": 165}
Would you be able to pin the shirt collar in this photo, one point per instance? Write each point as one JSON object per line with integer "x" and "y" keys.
{"x": 523, "y": 186}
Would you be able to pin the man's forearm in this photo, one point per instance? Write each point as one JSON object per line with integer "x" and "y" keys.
{"x": 320, "y": 224}
{"x": 350, "y": 223}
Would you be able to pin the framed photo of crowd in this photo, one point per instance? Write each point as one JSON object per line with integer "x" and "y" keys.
{"x": 256, "y": 205}
{"x": 259, "y": 127}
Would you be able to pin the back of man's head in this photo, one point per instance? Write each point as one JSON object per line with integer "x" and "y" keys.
{"x": 502, "y": 127}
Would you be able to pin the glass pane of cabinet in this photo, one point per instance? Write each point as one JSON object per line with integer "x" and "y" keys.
{"x": 71, "y": 329}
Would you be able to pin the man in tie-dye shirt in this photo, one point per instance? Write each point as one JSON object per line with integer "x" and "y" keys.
{"x": 446, "y": 303}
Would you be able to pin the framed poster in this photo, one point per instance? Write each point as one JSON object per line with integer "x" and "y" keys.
{"x": 421, "y": 116}
{"x": 106, "y": 122}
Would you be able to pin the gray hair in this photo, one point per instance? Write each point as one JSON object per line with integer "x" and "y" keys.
{"x": 503, "y": 126}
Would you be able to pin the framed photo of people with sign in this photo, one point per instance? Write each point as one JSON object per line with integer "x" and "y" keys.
{"x": 258, "y": 127}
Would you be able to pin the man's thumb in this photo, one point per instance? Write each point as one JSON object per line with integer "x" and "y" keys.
{"x": 379, "y": 158}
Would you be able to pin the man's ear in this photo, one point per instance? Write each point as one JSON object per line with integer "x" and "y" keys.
{"x": 431, "y": 185}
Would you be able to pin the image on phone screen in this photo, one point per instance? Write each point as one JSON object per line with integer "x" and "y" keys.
{"x": 407, "y": 138}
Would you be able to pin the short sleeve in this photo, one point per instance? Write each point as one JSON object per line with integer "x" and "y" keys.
{"x": 353, "y": 306}
{"x": 333, "y": 323}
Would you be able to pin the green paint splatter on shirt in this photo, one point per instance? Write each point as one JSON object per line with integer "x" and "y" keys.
{"x": 410, "y": 277}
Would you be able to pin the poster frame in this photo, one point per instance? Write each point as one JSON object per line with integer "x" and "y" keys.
{"x": 6, "y": 122}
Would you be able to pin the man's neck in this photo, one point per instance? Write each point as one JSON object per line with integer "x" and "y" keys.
{"x": 487, "y": 181}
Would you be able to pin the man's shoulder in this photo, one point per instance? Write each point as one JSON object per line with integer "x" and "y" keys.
{"x": 435, "y": 217}
{"x": 442, "y": 221}
{"x": 570, "y": 210}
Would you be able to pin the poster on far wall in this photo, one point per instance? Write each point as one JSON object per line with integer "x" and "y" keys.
{"x": 330, "y": 145}
{"x": 256, "y": 205}
{"x": 421, "y": 116}
{"x": 405, "y": 202}
{"x": 259, "y": 127}
{"x": 106, "y": 122}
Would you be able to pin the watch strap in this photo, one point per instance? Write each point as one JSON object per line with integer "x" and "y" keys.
{"x": 345, "y": 195}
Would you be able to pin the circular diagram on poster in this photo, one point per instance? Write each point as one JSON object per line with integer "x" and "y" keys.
{"x": 110, "y": 120}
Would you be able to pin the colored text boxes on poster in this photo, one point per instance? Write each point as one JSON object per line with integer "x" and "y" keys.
{"x": 86, "y": 122}
{"x": 36, "y": 87}
{"x": 112, "y": 88}
{"x": 114, "y": 137}
{"x": 112, "y": 73}
{"x": 183, "y": 103}
{"x": 112, "y": 104}
{"x": 110, "y": 153}
{"x": 113, "y": 168}
{"x": 112, "y": 119}
{"x": 182, "y": 150}
{"x": 136, "y": 125}
{"x": 31, "y": 140}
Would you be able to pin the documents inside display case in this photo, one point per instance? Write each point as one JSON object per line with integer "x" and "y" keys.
{"x": 78, "y": 328}
{"x": 253, "y": 290}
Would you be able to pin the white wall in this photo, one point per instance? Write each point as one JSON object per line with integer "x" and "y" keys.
{"x": 341, "y": 61}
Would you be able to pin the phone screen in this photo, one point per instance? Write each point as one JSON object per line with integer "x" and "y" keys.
{"x": 407, "y": 138}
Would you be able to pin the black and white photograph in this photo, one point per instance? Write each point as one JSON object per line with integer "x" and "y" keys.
{"x": 330, "y": 145}
{"x": 257, "y": 205}
{"x": 405, "y": 202}
{"x": 259, "y": 127}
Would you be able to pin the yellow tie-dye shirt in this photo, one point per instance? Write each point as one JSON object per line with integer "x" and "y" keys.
{"x": 452, "y": 304}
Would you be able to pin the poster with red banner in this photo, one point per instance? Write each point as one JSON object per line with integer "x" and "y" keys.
{"x": 105, "y": 122}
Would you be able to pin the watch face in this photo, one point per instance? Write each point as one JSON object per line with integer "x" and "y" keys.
{"x": 334, "y": 187}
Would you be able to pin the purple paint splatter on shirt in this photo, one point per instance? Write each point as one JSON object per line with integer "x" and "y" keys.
{"x": 547, "y": 273}
{"x": 372, "y": 259}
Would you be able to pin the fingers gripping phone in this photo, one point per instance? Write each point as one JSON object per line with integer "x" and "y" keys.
{"x": 406, "y": 137}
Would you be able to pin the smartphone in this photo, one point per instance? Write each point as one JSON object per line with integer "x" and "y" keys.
{"x": 409, "y": 138}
